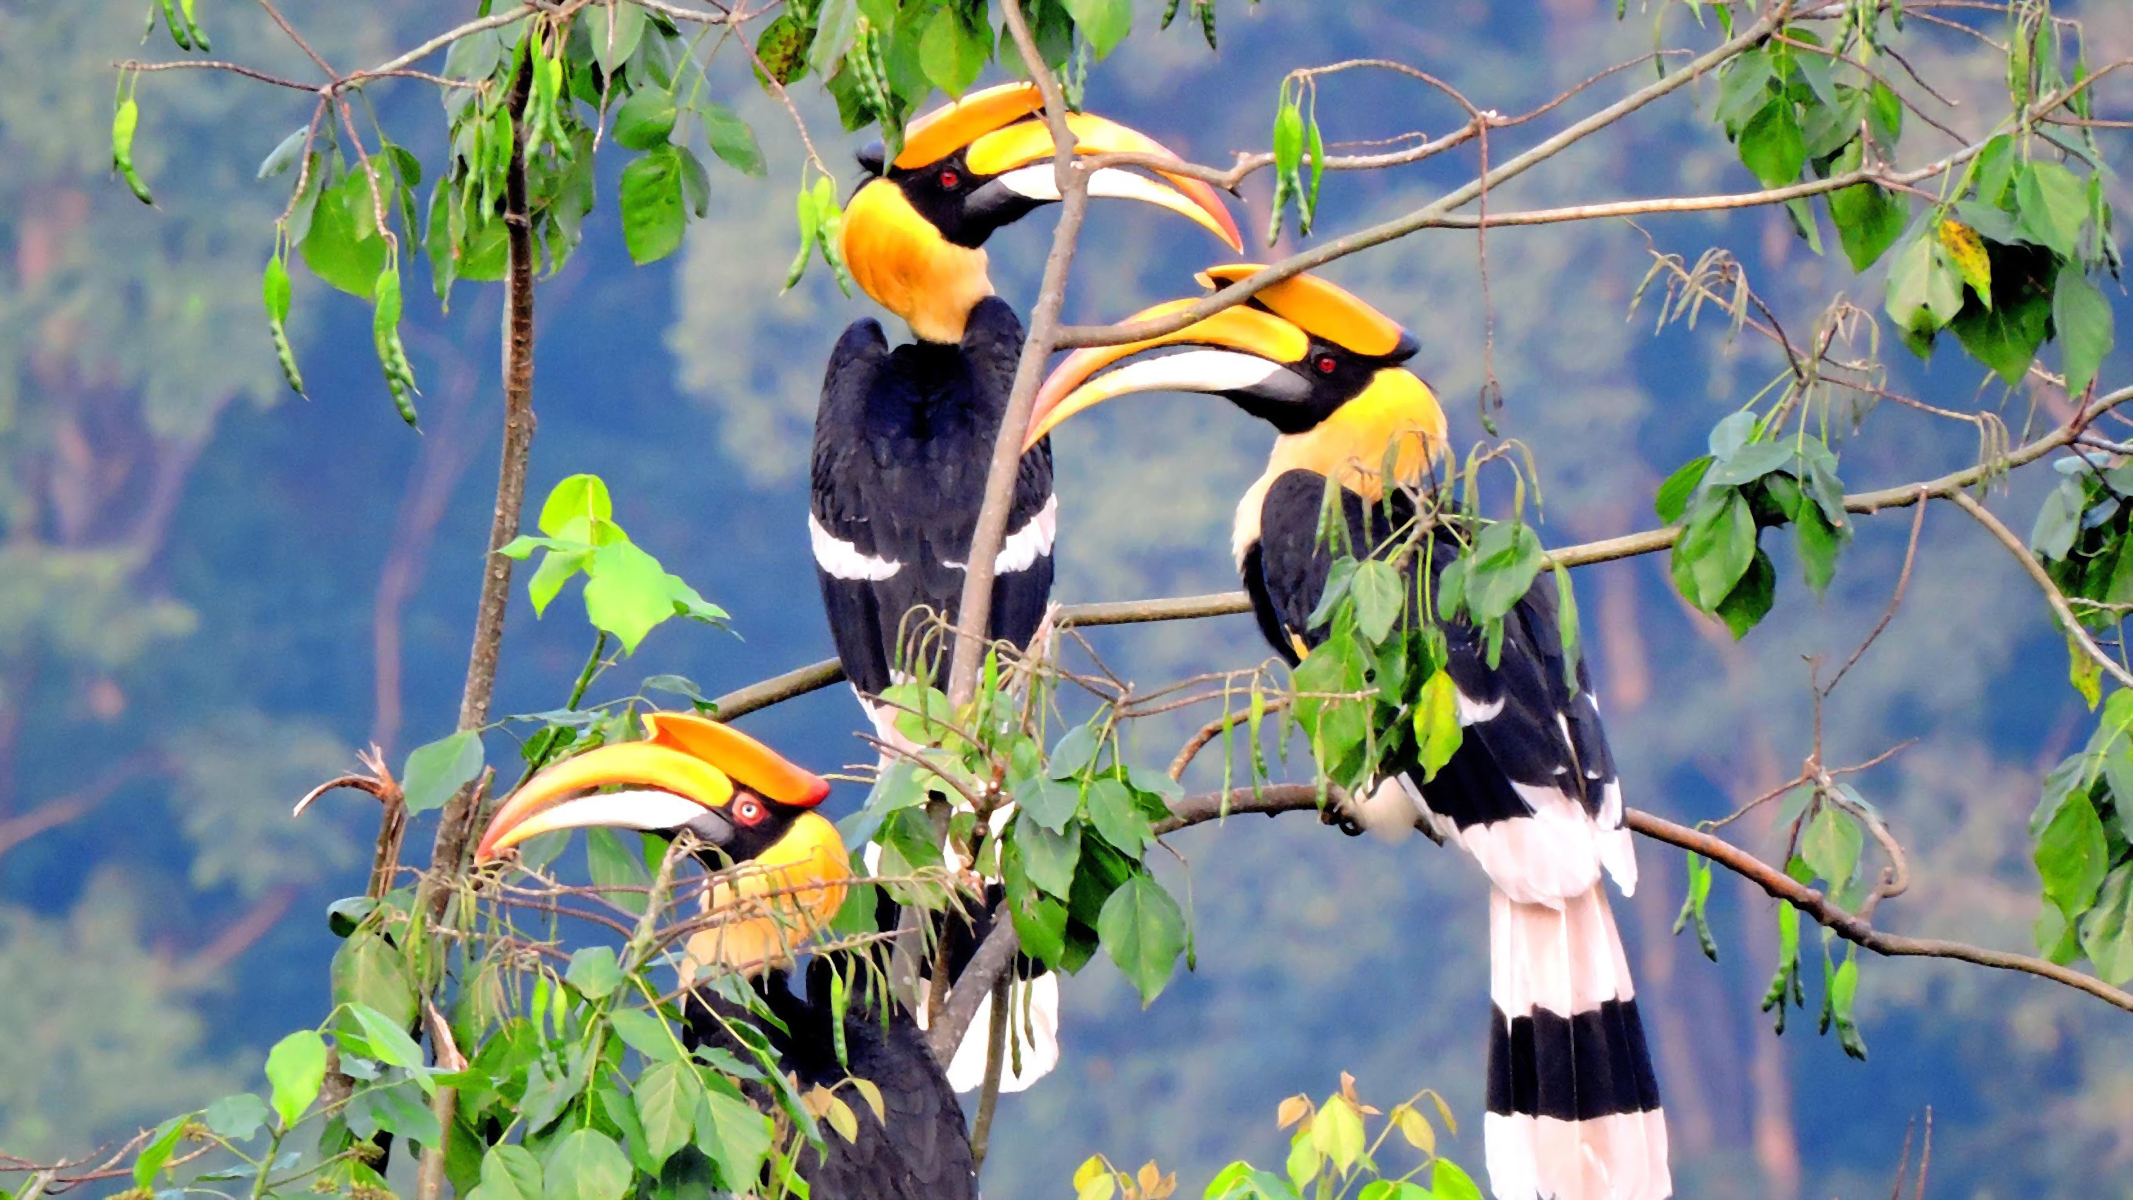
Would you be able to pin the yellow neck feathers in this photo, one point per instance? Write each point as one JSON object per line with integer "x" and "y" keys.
{"x": 907, "y": 266}
{"x": 764, "y": 909}
{"x": 1395, "y": 411}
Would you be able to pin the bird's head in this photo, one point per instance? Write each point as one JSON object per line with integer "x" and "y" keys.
{"x": 751, "y": 807}
{"x": 914, "y": 232}
{"x": 1307, "y": 357}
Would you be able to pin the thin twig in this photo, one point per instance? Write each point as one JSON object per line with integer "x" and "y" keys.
{"x": 2052, "y": 595}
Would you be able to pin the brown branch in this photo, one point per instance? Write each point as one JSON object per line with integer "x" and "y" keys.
{"x": 974, "y": 612}
{"x": 994, "y": 959}
{"x": 78, "y": 803}
{"x": 204, "y": 964}
{"x": 2052, "y": 595}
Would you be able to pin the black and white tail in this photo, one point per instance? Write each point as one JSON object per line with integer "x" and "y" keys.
{"x": 1573, "y": 1105}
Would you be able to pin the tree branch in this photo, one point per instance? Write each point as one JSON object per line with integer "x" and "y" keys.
{"x": 974, "y": 612}
{"x": 2052, "y": 595}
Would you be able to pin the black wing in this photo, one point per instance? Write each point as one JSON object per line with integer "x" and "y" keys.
{"x": 1530, "y": 741}
{"x": 902, "y": 443}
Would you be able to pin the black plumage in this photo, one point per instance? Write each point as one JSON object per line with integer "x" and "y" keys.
{"x": 902, "y": 443}
{"x": 921, "y": 1151}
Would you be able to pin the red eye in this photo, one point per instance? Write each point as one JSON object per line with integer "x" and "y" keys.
{"x": 1326, "y": 364}
{"x": 749, "y": 812}
{"x": 951, "y": 180}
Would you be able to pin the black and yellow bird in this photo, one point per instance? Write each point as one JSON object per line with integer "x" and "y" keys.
{"x": 751, "y": 806}
{"x": 1531, "y": 793}
{"x": 904, "y": 437}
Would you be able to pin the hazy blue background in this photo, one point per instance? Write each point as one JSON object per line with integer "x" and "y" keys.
{"x": 211, "y": 594}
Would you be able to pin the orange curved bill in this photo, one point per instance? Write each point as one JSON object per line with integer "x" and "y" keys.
{"x": 951, "y": 127}
{"x": 676, "y": 784}
{"x": 1267, "y": 342}
{"x": 1326, "y": 309}
{"x": 1028, "y": 144}
{"x": 750, "y": 762}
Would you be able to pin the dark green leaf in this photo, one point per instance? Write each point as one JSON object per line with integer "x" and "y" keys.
{"x": 667, "y": 1097}
{"x": 2051, "y": 206}
{"x": 1818, "y": 545}
{"x": 782, "y": 47}
{"x": 1144, "y": 932}
{"x": 1074, "y": 752}
{"x": 954, "y": 49}
{"x": 1718, "y": 546}
{"x": 733, "y": 1135}
{"x": 1869, "y": 219}
{"x": 1673, "y": 497}
{"x": 1048, "y": 802}
{"x": 646, "y": 1034}
{"x": 342, "y": 245}
{"x": 2006, "y": 336}
{"x": 1377, "y": 589}
{"x": 1750, "y": 600}
{"x": 1751, "y": 462}
{"x": 509, "y": 1172}
{"x": 1772, "y": 145}
{"x": 434, "y": 771}
{"x": 616, "y": 28}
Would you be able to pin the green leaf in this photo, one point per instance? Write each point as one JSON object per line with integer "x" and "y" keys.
{"x": 2051, "y": 205}
{"x": 1925, "y": 290}
{"x": 557, "y": 568}
{"x": 1117, "y": 816}
{"x": 342, "y": 246}
{"x": 587, "y": 1165}
{"x": 616, "y": 28}
{"x": 646, "y": 119}
{"x": 627, "y": 594}
{"x": 731, "y": 139}
{"x": 616, "y": 869}
{"x": 1437, "y": 732}
{"x": 238, "y": 1118}
{"x": 1673, "y": 497}
{"x": 434, "y": 771}
{"x": 1103, "y": 23}
{"x": 369, "y": 970}
{"x": 1869, "y": 219}
{"x": 397, "y": 1110}
{"x": 953, "y": 49}
{"x": 1048, "y": 857}
{"x": 1749, "y": 602}
{"x": 782, "y": 47}
{"x": 2058, "y": 521}
{"x": 1818, "y": 545}
{"x": 158, "y": 1150}
{"x": 594, "y": 972}
{"x": 653, "y": 210}
{"x": 509, "y": 1172}
{"x": 1831, "y": 846}
{"x": 2006, "y": 336}
{"x": 667, "y": 1097}
{"x": 389, "y": 1042}
{"x": 1772, "y": 145}
{"x": 1144, "y": 932}
{"x": 2082, "y": 319}
{"x": 1074, "y": 752}
{"x": 2072, "y": 855}
{"x": 1376, "y": 587}
{"x": 2107, "y": 931}
{"x": 296, "y": 1069}
{"x": 1449, "y": 1182}
{"x": 1717, "y": 548}
{"x": 646, "y": 1034}
{"x": 1505, "y": 560}
{"x": 283, "y": 155}
{"x": 734, "y": 1136}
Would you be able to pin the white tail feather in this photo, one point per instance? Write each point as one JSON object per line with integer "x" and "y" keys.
{"x": 1032, "y": 1037}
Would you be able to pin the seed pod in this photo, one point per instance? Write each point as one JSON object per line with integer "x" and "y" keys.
{"x": 123, "y": 123}
{"x": 392, "y": 355}
{"x": 274, "y": 293}
{"x": 172, "y": 22}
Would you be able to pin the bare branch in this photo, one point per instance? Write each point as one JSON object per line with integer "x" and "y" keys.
{"x": 2052, "y": 595}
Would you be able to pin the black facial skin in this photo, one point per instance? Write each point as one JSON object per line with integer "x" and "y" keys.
{"x": 742, "y": 828}
{"x": 966, "y": 208}
{"x": 1310, "y": 390}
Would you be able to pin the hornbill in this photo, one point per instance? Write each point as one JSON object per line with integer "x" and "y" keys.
{"x": 751, "y": 806}
{"x": 1573, "y": 1104}
{"x": 904, "y": 437}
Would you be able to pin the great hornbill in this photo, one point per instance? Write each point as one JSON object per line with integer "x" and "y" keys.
{"x": 751, "y": 806}
{"x": 904, "y": 437}
{"x": 1573, "y": 1104}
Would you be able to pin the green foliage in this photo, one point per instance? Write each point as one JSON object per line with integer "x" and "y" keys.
{"x": 1754, "y": 478}
{"x": 1295, "y": 133}
{"x": 627, "y": 592}
{"x": 2083, "y": 849}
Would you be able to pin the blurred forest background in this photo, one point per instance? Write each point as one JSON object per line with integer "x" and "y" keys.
{"x": 212, "y": 594}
